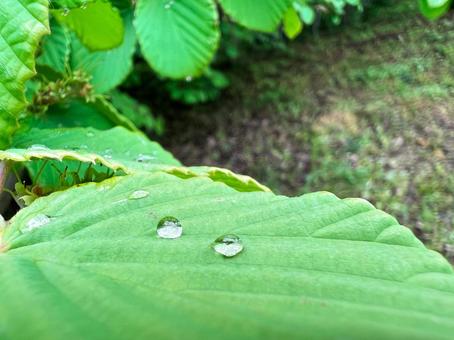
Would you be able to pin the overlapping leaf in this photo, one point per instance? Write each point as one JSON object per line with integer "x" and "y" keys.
{"x": 312, "y": 267}
{"x": 116, "y": 149}
{"x": 22, "y": 24}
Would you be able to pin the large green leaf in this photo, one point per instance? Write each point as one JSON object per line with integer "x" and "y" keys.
{"x": 107, "y": 68}
{"x": 312, "y": 267}
{"x": 22, "y": 24}
{"x": 260, "y": 15}
{"x": 178, "y": 38}
{"x": 98, "y": 24}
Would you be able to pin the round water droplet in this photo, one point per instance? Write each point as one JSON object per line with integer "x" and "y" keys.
{"x": 38, "y": 147}
{"x": 138, "y": 194}
{"x": 188, "y": 79}
{"x": 169, "y": 227}
{"x": 228, "y": 245}
{"x": 65, "y": 11}
{"x": 144, "y": 158}
{"x": 37, "y": 222}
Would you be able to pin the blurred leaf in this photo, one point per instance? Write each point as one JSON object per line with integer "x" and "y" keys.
{"x": 98, "y": 24}
{"x": 292, "y": 23}
{"x": 178, "y": 38}
{"x": 433, "y": 9}
{"x": 260, "y": 15}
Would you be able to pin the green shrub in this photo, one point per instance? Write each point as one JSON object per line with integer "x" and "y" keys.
{"x": 116, "y": 239}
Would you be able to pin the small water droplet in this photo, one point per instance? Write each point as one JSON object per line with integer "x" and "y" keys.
{"x": 38, "y": 147}
{"x": 90, "y": 134}
{"x": 65, "y": 11}
{"x": 169, "y": 227}
{"x": 188, "y": 79}
{"x": 138, "y": 194}
{"x": 228, "y": 245}
{"x": 2, "y": 222}
{"x": 144, "y": 158}
{"x": 37, "y": 222}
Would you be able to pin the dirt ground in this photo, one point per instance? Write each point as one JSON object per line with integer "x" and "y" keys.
{"x": 365, "y": 110}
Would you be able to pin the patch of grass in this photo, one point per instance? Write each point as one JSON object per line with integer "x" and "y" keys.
{"x": 367, "y": 110}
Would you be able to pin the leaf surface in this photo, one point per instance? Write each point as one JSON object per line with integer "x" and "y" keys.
{"x": 177, "y": 38}
{"x": 313, "y": 266}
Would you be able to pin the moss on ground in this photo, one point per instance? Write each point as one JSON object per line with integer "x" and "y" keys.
{"x": 367, "y": 110}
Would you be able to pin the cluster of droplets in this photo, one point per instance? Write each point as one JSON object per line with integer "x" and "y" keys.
{"x": 227, "y": 245}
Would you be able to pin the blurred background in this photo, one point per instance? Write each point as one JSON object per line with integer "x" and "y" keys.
{"x": 361, "y": 106}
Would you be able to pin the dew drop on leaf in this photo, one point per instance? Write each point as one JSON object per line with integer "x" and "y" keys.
{"x": 138, "y": 194}
{"x": 144, "y": 158}
{"x": 188, "y": 79}
{"x": 90, "y": 134}
{"x": 169, "y": 227}
{"x": 38, "y": 147}
{"x": 65, "y": 11}
{"x": 37, "y": 222}
{"x": 228, "y": 245}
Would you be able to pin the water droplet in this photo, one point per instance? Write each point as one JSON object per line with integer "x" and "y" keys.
{"x": 90, "y": 134}
{"x": 169, "y": 227}
{"x": 37, "y": 222}
{"x": 38, "y": 147}
{"x": 228, "y": 245}
{"x": 65, "y": 11}
{"x": 188, "y": 79}
{"x": 138, "y": 194}
{"x": 144, "y": 158}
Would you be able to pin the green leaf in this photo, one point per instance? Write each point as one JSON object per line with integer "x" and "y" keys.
{"x": 22, "y": 24}
{"x": 55, "y": 49}
{"x": 115, "y": 149}
{"x": 100, "y": 114}
{"x": 433, "y": 9}
{"x": 98, "y": 25}
{"x": 138, "y": 113}
{"x": 177, "y": 38}
{"x": 108, "y": 69}
{"x": 312, "y": 267}
{"x": 260, "y": 15}
{"x": 292, "y": 23}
